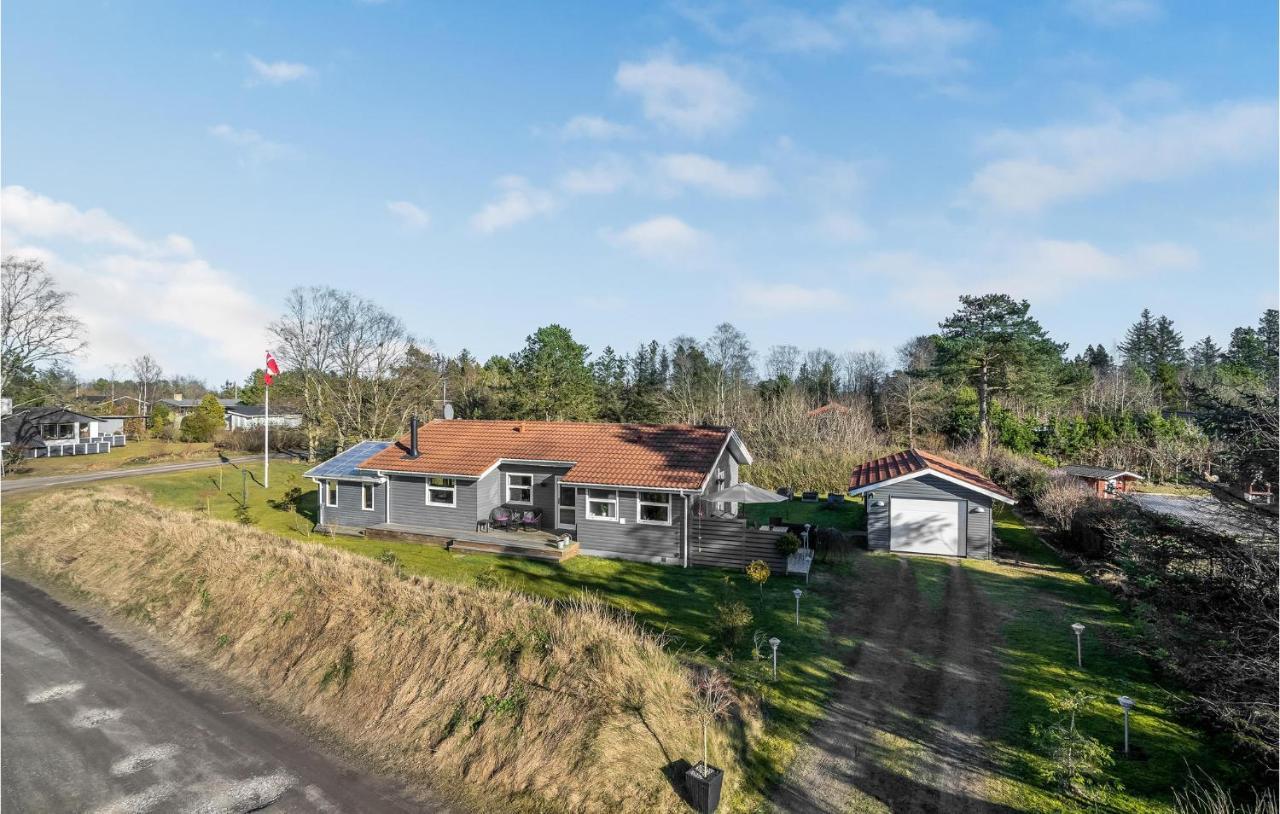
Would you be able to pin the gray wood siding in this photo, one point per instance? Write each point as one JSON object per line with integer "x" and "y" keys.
{"x": 975, "y": 528}
{"x": 348, "y": 511}
{"x": 409, "y": 504}
{"x": 631, "y": 540}
{"x": 544, "y": 493}
{"x": 488, "y": 494}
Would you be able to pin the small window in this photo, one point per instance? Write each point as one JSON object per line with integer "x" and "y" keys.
{"x": 519, "y": 488}
{"x": 366, "y": 496}
{"x": 602, "y": 504}
{"x": 654, "y": 508}
{"x": 331, "y": 493}
{"x": 442, "y": 492}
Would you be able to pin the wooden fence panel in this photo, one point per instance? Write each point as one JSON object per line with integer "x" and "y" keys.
{"x": 729, "y": 543}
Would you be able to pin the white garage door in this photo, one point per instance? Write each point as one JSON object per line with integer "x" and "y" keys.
{"x": 924, "y": 526}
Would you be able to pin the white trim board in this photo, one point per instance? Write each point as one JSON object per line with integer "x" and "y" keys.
{"x": 928, "y": 471}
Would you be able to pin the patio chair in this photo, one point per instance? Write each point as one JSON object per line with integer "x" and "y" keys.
{"x": 530, "y": 519}
{"x": 775, "y": 522}
{"x": 809, "y": 497}
{"x": 500, "y": 518}
{"x": 787, "y": 492}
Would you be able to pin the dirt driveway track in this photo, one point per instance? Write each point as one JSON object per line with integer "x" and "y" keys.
{"x": 919, "y": 694}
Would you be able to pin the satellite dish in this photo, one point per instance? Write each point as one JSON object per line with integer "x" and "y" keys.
{"x": 448, "y": 411}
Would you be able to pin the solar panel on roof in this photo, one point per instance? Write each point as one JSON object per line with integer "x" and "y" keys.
{"x": 344, "y": 463}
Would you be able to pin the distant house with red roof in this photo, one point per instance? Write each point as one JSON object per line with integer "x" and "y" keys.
{"x": 620, "y": 490}
{"x": 919, "y": 502}
{"x": 830, "y": 408}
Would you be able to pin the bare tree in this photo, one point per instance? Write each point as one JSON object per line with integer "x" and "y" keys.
{"x": 36, "y": 327}
{"x": 730, "y": 355}
{"x": 782, "y": 360}
{"x": 348, "y": 354}
{"x": 147, "y": 373}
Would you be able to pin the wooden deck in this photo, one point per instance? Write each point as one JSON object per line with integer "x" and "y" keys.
{"x": 537, "y": 545}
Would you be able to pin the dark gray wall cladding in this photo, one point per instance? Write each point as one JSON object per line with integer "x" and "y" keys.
{"x": 729, "y": 464}
{"x": 348, "y": 511}
{"x": 544, "y": 493}
{"x": 631, "y": 540}
{"x": 977, "y": 528}
{"x": 409, "y": 505}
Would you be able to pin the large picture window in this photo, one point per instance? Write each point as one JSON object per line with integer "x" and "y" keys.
{"x": 442, "y": 492}
{"x": 654, "y": 508}
{"x": 602, "y": 504}
{"x": 331, "y": 493}
{"x": 519, "y": 488}
{"x": 366, "y": 496}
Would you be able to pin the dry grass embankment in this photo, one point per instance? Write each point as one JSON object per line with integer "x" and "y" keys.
{"x": 529, "y": 704}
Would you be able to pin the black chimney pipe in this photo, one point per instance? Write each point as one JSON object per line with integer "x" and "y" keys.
{"x": 413, "y": 436}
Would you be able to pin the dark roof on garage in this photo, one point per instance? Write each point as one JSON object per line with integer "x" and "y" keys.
{"x": 1098, "y": 472}
{"x": 912, "y": 463}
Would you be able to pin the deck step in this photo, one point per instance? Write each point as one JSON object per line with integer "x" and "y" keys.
{"x": 548, "y": 553}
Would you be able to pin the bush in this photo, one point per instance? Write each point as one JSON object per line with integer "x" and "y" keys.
{"x": 758, "y": 572}
{"x": 732, "y": 620}
{"x": 788, "y": 544}
{"x": 283, "y": 439}
{"x": 1076, "y": 761}
{"x": 1062, "y": 499}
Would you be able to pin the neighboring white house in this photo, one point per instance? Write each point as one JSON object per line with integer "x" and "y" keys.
{"x": 249, "y": 416}
{"x": 181, "y": 408}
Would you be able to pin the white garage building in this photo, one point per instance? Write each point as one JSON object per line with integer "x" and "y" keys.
{"x": 921, "y": 503}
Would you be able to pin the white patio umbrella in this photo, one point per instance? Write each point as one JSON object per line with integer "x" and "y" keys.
{"x": 746, "y": 493}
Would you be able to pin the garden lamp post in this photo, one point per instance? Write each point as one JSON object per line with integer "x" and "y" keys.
{"x": 796, "y": 593}
{"x": 1126, "y": 703}
{"x": 1079, "y": 629}
{"x": 774, "y": 642}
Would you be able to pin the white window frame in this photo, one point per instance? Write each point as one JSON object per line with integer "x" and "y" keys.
{"x": 367, "y": 489}
{"x": 452, "y": 490}
{"x": 507, "y": 494}
{"x": 641, "y": 503}
{"x": 613, "y": 500}
{"x": 331, "y": 493}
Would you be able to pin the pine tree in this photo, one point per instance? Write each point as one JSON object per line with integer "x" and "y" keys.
{"x": 1139, "y": 341}
{"x": 1247, "y": 352}
{"x": 1269, "y": 330}
{"x": 1205, "y": 355}
{"x": 550, "y": 379}
{"x": 1166, "y": 345}
{"x": 610, "y": 374}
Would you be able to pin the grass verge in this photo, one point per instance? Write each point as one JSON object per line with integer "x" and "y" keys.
{"x": 1039, "y": 600}
{"x": 146, "y": 452}
{"x": 676, "y": 603}
{"x": 537, "y": 705}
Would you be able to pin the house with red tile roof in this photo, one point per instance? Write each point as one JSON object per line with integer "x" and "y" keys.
{"x": 618, "y": 490}
{"x": 919, "y": 502}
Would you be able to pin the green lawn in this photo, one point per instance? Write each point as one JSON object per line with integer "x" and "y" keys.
{"x": 679, "y": 602}
{"x": 1040, "y": 600}
{"x": 135, "y": 453}
{"x": 850, "y": 515}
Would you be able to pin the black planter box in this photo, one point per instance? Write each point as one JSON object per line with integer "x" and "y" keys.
{"x": 704, "y": 791}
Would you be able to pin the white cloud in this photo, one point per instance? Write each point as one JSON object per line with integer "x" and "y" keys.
{"x": 603, "y": 178}
{"x": 277, "y": 73}
{"x": 1115, "y": 12}
{"x": 911, "y": 41}
{"x": 715, "y": 177}
{"x": 663, "y": 237}
{"x": 906, "y": 41}
{"x": 596, "y": 128}
{"x": 1040, "y": 270}
{"x": 692, "y": 98}
{"x": 136, "y": 295}
{"x": 410, "y": 215}
{"x": 775, "y": 297}
{"x": 843, "y": 227}
{"x": 253, "y": 147}
{"x": 1057, "y": 163}
{"x": 517, "y": 203}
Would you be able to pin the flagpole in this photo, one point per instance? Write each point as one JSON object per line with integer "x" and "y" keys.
{"x": 266, "y": 436}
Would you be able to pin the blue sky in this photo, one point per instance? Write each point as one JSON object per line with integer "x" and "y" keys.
{"x": 818, "y": 175}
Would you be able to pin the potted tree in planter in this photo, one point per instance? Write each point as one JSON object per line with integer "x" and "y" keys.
{"x": 712, "y": 699}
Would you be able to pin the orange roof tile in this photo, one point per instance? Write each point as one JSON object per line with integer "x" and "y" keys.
{"x": 829, "y": 407}
{"x": 912, "y": 461}
{"x": 658, "y": 456}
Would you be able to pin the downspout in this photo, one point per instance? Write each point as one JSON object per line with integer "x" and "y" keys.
{"x": 320, "y": 487}
{"x": 685, "y": 523}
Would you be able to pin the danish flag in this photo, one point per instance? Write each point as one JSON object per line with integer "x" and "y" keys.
{"x": 272, "y": 370}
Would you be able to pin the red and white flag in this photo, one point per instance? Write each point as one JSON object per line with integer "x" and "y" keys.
{"x": 273, "y": 370}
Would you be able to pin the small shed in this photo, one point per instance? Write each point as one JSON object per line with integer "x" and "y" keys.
{"x": 1105, "y": 483}
{"x": 921, "y": 503}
